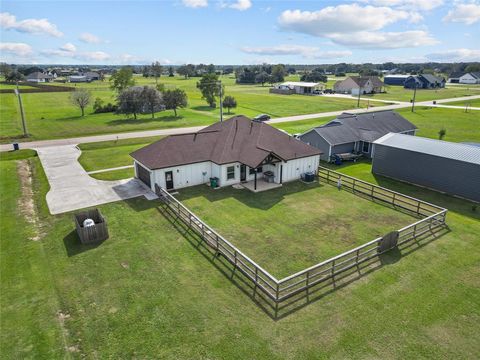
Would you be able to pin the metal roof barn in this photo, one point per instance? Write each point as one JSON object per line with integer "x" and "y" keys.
{"x": 451, "y": 168}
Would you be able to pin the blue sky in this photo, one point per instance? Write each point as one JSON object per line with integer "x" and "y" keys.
{"x": 239, "y": 31}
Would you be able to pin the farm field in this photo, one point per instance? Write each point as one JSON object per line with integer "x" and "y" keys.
{"x": 148, "y": 292}
{"x": 51, "y": 115}
{"x": 288, "y": 229}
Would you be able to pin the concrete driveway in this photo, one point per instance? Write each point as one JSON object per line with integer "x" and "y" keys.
{"x": 71, "y": 188}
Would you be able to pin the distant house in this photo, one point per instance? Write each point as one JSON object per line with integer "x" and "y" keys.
{"x": 39, "y": 77}
{"x": 424, "y": 81}
{"x": 454, "y": 78}
{"x": 297, "y": 87}
{"x": 91, "y": 75}
{"x": 398, "y": 79}
{"x": 470, "y": 78}
{"x": 359, "y": 85}
{"x": 448, "y": 167}
{"x": 235, "y": 151}
{"x": 77, "y": 78}
{"x": 354, "y": 133}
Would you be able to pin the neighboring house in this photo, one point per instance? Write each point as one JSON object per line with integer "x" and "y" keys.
{"x": 359, "y": 84}
{"x": 454, "y": 78}
{"x": 39, "y": 77}
{"x": 448, "y": 167}
{"x": 91, "y": 75}
{"x": 470, "y": 78}
{"x": 296, "y": 87}
{"x": 395, "y": 79}
{"x": 234, "y": 151}
{"x": 77, "y": 78}
{"x": 424, "y": 81}
{"x": 354, "y": 133}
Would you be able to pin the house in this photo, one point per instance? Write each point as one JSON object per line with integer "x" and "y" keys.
{"x": 91, "y": 75}
{"x": 424, "y": 81}
{"x": 443, "y": 166}
{"x": 454, "y": 78}
{"x": 297, "y": 87}
{"x": 395, "y": 79}
{"x": 235, "y": 151}
{"x": 77, "y": 78}
{"x": 39, "y": 77}
{"x": 470, "y": 78}
{"x": 359, "y": 84}
{"x": 354, "y": 133}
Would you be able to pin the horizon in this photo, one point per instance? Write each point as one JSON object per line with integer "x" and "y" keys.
{"x": 177, "y": 32}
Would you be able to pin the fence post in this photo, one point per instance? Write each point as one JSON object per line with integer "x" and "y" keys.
{"x": 393, "y": 199}
{"x": 418, "y": 207}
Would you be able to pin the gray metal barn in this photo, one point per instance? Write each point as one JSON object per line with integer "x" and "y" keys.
{"x": 448, "y": 167}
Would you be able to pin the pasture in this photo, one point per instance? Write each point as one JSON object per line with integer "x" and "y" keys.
{"x": 148, "y": 292}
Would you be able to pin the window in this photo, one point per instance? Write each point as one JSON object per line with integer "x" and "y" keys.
{"x": 251, "y": 171}
{"x": 366, "y": 147}
{"x": 230, "y": 172}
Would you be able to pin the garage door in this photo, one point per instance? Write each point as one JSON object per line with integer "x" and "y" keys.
{"x": 143, "y": 174}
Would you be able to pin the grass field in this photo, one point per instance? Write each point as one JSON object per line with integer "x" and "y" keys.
{"x": 401, "y": 94}
{"x": 51, "y": 115}
{"x": 288, "y": 229}
{"x": 472, "y": 103}
{"x": 147, "y": 292}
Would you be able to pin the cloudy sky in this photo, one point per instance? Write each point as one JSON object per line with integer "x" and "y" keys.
{"x": 239, "y": 31}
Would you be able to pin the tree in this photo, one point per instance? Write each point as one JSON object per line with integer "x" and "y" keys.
{"x": 122, "y": 79}
{"x": 152, "y": 99}
{"x": 229, "y": 102}
{"x": 186, "y": 70}
{"x": 146, "y": 71}
{"x": 14, "y": 76}
{"x": 170, "y": 72}
{"x": 314, "y": 76}
{"x": 211, "y": 68}
{"x": 156, "y": 70}
{"x": 474, "y": 67}
{"x": 278, "y": 73}
{"x": 208, "y": 85}
{"x": 442, "y": 133}
{"x": 5, "y": 69}
{"x": 130, "y": 101}
{"x": 80, "y": 98}
{"x": 261, "y": 78}
{"x": 174, "y": 99}
{"x": 98, "y": 104}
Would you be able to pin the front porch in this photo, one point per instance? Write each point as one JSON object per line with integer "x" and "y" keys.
{"x": 261, "y": 185}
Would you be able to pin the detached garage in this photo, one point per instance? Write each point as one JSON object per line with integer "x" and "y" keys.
{"x": 447, "y": 167}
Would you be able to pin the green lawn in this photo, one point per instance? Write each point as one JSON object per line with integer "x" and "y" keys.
{"x": 401, "y": 94}
{"x": 288, "y": 229}
{"x": 472, "y": 103}
{"x": 51, "y": 115}
{"x": 147, "y": 292}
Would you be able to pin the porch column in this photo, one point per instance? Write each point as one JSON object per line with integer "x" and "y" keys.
{"x": 255, "y": 180}
{"x": 281, "y": 174}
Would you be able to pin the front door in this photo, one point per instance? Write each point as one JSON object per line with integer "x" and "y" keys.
{"x": 169, "y": 180}
{"x": 243, "y": 173}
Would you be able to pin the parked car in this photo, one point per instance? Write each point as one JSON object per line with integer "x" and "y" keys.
{"x": 262, "y": 117}
{"x": 328, "y": 91}
{"x": 317, "y": 92}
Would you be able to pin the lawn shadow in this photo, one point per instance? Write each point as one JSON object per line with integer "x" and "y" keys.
{"x": 204, "y": 108}
{"x": 313, "y": 294}
{"x": 140, "y": 203}
{"x": 74, "y": 246}
{"x": 146, "y": 120}
{"x": 262, "y": 200}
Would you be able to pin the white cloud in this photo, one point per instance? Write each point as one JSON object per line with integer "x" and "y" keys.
{"x": 408, "y": 4}
{"x": 90, "y": 38}
{"x": 304, "y": 51}
{"x": 31, "y": 26}
{"x": 68, "y": 47}
{"x": 17, "y": 49}
{"x": 464, "y": 13}
{"x": 456, "y": 55}
{"x": 340, "y": 19}
{"x": 241, "y": 5}
{"x": 384, "y": 40}
{"x": 195, "y": 3}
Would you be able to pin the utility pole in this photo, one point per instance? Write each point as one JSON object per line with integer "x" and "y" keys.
{"x": 414, "y": 95}
{"x": 24, "y": 124}
{"x": 359, "y": 92}
{"x": 221, "y": 101}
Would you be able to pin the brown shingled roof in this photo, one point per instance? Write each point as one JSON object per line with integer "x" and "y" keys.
{"x": 236, "y": 139}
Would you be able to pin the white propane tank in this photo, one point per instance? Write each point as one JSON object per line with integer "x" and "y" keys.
{"x": 88, "y": 223}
